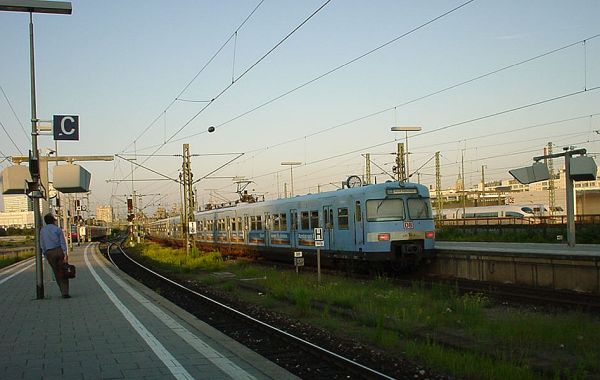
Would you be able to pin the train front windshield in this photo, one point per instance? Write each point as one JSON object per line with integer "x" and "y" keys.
{"x": 389, "y": 209}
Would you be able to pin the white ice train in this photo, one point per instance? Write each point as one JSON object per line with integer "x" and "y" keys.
{"x": 501, "y": 211}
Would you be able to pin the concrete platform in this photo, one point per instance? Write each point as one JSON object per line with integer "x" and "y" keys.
{"x": 111, "y": 328}
{"x": 529, "y": 249}
{"x": 554, "y": 266}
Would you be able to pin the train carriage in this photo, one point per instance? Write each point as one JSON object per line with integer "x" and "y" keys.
{"x": 390, "y": 222}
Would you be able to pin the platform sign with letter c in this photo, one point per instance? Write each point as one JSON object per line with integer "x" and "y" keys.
{"x": 65, "y": 127}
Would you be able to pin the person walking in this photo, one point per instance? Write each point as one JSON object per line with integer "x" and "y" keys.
{"x": 54, "y": 248}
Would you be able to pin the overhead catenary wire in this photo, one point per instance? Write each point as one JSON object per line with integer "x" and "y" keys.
{"x": 224, "y": 90}
{"x": 450, "y": 163}
{"x": 246, "y": 72}
{"x": 10, "y": 138}
{"x": 382, "y": 111}
{"x": 197, "y": 75}
{"x": 321, "y": 76}
{"x": 27, "y": 136}
{"x": 479, "y": 118}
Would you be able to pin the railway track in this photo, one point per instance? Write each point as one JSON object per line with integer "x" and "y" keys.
{"x": 273, "y": 336}
{"x": 526, "y": 295}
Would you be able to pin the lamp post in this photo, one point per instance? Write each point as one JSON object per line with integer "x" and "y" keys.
{"x": 406, "y": 129}
{"x": 291, "y": 164}
{"x": 31, "y": 7}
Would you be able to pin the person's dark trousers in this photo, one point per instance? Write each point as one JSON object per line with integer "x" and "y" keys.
{"x": 55, "y": 258}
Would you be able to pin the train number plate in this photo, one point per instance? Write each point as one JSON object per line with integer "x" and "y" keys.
{"x": 409, "y": 225}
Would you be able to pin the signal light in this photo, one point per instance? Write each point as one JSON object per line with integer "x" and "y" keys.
{"x": 383, "y": 237}
{"x": 429, "y": 234}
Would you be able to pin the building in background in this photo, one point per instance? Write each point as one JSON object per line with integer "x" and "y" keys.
{"x": 18, "y": 212}
{"x": 104, "y": 213}
{"x": 17, "y": 203}
{"x": 510, "y": 191}
{"x": 16, "y": 219}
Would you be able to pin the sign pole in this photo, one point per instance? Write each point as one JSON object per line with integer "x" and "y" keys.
{"x": 319, "y": 266}
{"x": 318, "y": 238}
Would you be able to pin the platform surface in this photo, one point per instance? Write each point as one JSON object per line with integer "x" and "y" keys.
{"x": 111, "y": 328}
{"x": 531, "y": 249}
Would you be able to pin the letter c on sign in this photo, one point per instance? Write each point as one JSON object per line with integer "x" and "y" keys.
{"x": 63, "y": 128}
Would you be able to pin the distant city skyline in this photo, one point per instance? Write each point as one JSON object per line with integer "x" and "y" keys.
{"x": 489, "y": 83}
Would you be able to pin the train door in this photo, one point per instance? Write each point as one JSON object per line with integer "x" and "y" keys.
{"x": 343, "y": 232}
{"x": 294, "y": 228}
{"x": 328, "y": 235}
{"x": 246, "y": 229}
{"x": 359, "y": 228}
{"x": 267, "y": 228}
{"x": 228, "y": 229}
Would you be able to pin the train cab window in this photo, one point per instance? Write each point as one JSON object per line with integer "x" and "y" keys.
{"x": 419, "y": 208}
{"x": 304, "y": 221}
{"x": 342, "y": 218}
{"x": 314, "y": 219}
{"x": 357, "y": 212}
{"x": 381, "y": 210}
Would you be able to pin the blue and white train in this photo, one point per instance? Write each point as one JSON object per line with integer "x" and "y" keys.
{"x": 390, "y": 223}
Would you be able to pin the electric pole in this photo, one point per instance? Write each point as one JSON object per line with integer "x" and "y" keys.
{"x": 400, "y": 164}
{"x": 188, "y": 198}
{"x": 551, "y": 184}
{"x": 483, "y": 183}
{"x": 367, "y": 169}
{"x": 439, "y": 201}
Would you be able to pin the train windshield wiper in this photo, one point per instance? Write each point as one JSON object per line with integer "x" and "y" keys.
{"x": 380, "y": 204}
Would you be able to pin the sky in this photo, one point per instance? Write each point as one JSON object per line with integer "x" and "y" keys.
{"x": 490, "y": 83}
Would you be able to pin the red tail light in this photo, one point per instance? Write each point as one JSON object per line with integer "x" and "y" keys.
{"x": 430, "y": 234}
{"x": 383, "y": 237}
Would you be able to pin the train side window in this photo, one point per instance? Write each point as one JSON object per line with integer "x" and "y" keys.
{"x": 512, "y": 214}
{"x": 357, "y": 212}
{"x": 276, "y": 223}
{"x": 342, "y": 218}
{"x": 259, "y": 224}
{"x": 314, "y": 219}
{"x": 304, "y": 221}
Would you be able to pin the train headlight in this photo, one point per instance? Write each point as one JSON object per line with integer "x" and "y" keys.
{"x": 430, "y": 235}
{"x": 383, "y": 237}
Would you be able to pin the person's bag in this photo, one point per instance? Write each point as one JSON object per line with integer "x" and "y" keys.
{"x": 69, "y": 270}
